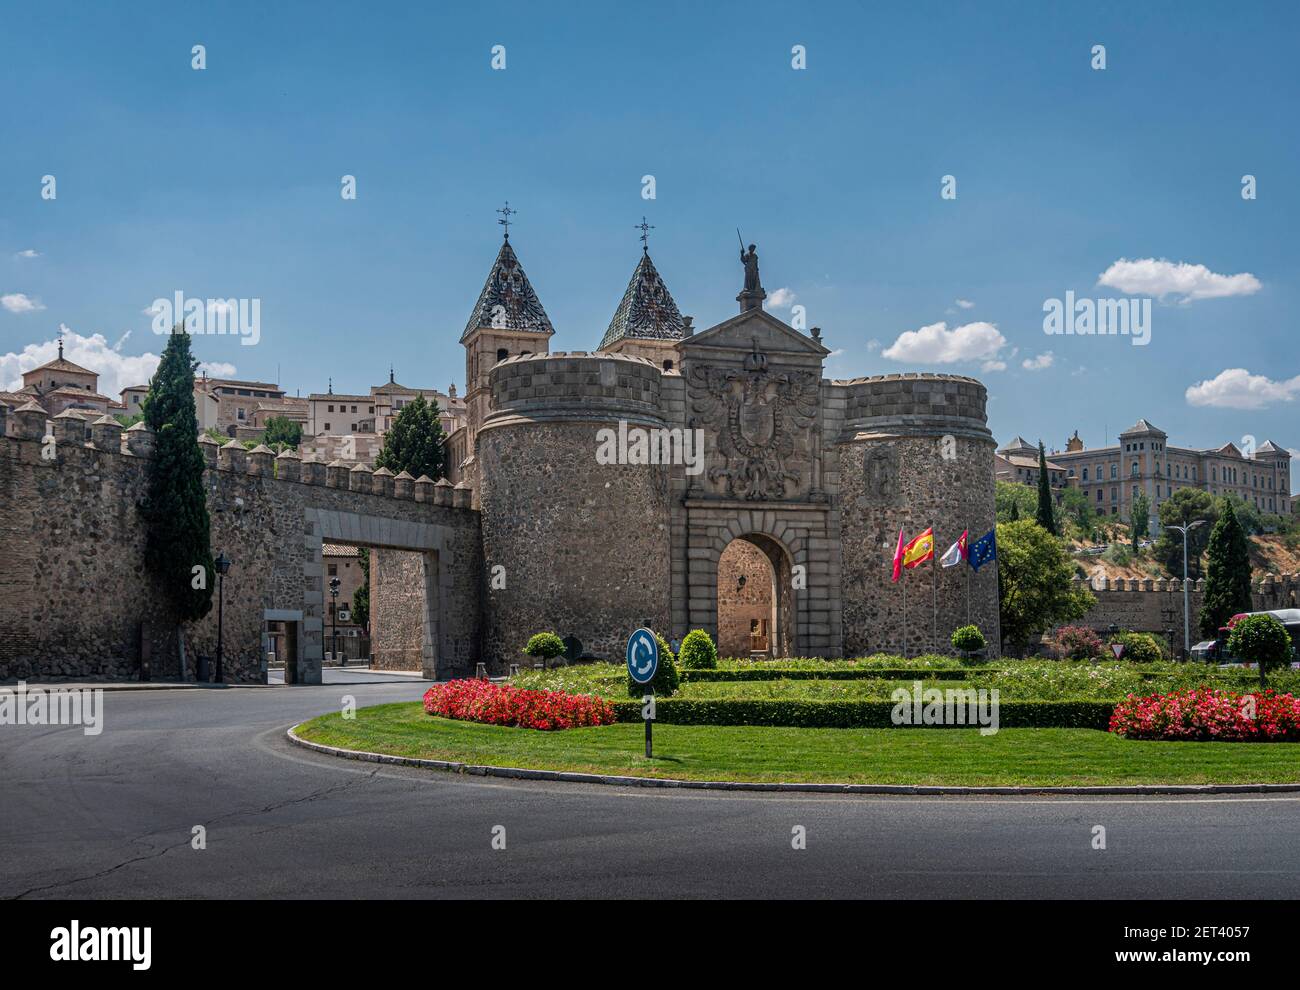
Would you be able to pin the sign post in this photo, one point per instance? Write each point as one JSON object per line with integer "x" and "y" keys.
{"x": 642, "y": 665}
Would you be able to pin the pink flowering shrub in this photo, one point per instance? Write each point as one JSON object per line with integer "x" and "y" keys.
{"x": 1208, "y": 714}
{"x": 1078, "y": 643}
{"x": 501, "y": 704}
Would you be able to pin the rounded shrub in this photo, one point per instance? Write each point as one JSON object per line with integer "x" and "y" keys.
{"x": 1078, "y": 643}
{"x": 1262, "y": 640}
{"x": 968, "y": 639}
{"x": 1139, "y": 647}
{"x": 544, "y": 646}
{"x": 666, "y": 678}
{"x": 698, "y": 651}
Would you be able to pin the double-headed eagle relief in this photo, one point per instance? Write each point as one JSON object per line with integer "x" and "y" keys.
{"x": 760, "y": 419}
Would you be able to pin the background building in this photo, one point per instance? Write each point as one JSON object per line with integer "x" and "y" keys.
{"x": 1143, "y": 462}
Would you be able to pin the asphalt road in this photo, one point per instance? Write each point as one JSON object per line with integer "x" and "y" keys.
{"x": 112, "y": 816}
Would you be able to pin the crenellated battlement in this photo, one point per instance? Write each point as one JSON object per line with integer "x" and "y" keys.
{"x": 31, "y": 430}
{"x": 1266, "y": 585}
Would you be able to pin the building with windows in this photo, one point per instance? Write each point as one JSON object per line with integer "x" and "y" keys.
{"x": 1144, "y": 462}
{"x": 351, "y": 428}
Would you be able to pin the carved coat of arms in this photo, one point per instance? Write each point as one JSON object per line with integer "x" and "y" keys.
{"x": 757, "y": 416}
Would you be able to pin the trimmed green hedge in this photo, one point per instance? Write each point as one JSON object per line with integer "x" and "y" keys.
{"x": 836, "y": 674}
{"x": 859, "y": 714}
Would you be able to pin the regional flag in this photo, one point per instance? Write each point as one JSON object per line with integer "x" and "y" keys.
{"x": 984, "y": 549}
{"x": 898, "y": 556}
{"x": 956, "y": 553}
{"x": 919, "y": 550}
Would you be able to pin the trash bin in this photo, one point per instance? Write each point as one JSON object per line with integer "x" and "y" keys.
{"x": 202, "y": 669}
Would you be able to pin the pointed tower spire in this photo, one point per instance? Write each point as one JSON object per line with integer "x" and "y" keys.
{"x": 508, "y": 301}
{"x": 647, "y": 311}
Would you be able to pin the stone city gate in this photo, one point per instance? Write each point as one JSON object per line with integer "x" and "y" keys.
{"x": 78, "y": 600}
{"x": 794, "y": 538}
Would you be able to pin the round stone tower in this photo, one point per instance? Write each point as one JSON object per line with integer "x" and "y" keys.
{"x": 575, "y": 511}
{"x": 915, "y": 452}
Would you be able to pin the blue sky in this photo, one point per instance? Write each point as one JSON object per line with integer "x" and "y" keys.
{"x": 225, "y": 183}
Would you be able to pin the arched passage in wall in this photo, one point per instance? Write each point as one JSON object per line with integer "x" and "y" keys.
{"x": 755, "y": 604}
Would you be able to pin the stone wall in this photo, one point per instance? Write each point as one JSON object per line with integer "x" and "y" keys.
{"x": 570, "y": 545}
{"x": 1142, "y": 605}
{"x": 396, "y": 609}
{"x": 76, "y": 600}
{"x": 914, "y": 454}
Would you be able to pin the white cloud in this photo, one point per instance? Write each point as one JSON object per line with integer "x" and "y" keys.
{"x": 116, "y": 370}
{"x": 873, "y": 345}
{"x": 1039, "y": 363}
{"x": 781, "y": 298}
{"x": 16, "y": 302}
{"x": 1237, "y": 388}
{"x": 965, "y": 304}
{"x": 993, "y": 366}
{"x": 937, "y": 344}
{"x": 28, "y": 253}
{"x": 1149, "y": 277}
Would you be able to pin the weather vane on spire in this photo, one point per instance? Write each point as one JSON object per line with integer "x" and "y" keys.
{"x": 506, "y": 214}
{"x": 645, "y": 229}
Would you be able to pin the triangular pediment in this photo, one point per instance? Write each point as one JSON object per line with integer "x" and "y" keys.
{"x": 743, "y": 330}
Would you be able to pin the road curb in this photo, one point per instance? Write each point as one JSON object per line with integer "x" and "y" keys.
{"x": 569, "y": 777}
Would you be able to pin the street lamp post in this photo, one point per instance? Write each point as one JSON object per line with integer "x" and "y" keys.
{"x": 334, "y": 614}
{"x": 1187, "y": 620}
{"x": 222, "y": 564}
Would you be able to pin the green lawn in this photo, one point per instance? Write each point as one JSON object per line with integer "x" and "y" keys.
{"x": 1036, "y": 757}
{"x": 1015, "y": 680}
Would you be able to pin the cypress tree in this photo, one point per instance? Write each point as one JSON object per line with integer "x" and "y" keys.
{"x": 415, "y": 443}
{"x": 178, "y": 529}
{"x": 1046, "y": 518}
{"x": 1227, "y": 573}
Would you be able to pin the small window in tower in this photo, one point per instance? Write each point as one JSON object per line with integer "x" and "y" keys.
{"x": 502, "y": 354}
{"x": 668, "y": 365}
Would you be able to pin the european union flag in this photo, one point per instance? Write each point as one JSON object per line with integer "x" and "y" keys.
{"x": 984, "y": 549}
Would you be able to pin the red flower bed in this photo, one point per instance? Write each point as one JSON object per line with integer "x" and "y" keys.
{"x": 502, "y": 704}
{"x": 1206, "y": 714}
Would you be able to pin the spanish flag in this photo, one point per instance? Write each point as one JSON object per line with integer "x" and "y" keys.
{"x": 920, "y": 549}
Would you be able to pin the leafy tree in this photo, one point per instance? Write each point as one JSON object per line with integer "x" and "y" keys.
{"x": 1013, "y": 500}
{"x": 1260, "y": 639}
{"x": 1227, "y": 581}
{"x": 129, "y": 421}
{"x": 1187, "y": 505}
{"x": 1079, "y": 512}
{"x": 1139, "y": 515}
{"x": 361, "y": 597}
{"x": 1035, "y": 586}
{"x": 968, "y": 639}
{"x": 1252, "y": 521}
{"x": 282, "y": 430}
{"x": 178, "y": 528}
{"x": 544, "y": 646}
{"x": 415, "y": 443}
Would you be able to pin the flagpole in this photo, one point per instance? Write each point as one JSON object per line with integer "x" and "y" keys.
{"x": 903, "y": 581}
{"x": 966, "y": 561}
{"x": 934, "y": 596}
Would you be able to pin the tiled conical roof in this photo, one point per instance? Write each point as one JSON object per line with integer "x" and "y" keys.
{"x": 508, "y": 301}
{"x": 647, "y": 311}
